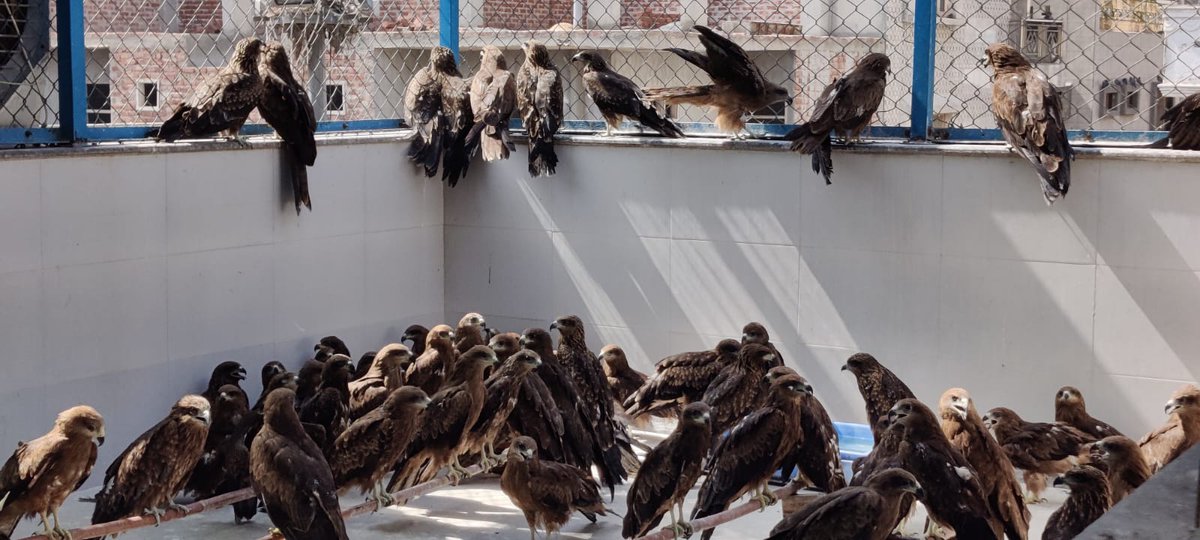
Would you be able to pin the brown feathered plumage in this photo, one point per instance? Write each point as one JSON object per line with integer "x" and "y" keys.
{"x": 953, "y": 495}
{"x": 535, "y": 414}
{"x": 385, "y": 375}
{"x": 1123, "y": 464}
{"x": 668, "y": 473}
{"x": 416, "y": 335}
{"x": 1181, "y": 431}
{"x": 623, "y": 380}
{"x": 493, "y": 98}
{"x": 292, "y": 477}
{"x": 866, "y": 512}
{"x": 880, "y": 388}
{"x": 1029, "y": 114}
{"x": 846, "y": 107}
{"x": 681, "y": 379}
{"x": 755, "y": 332}
{"x": 148, "y": 474}
{"x": 285, "y": 105}
{"x": 503, "y": 390}
{"x": 330, "y": 407}
{"x": 1183, "y": 123}
{"x": 739, "y": 387}
{"x": 738, "y": 87}
{"x": 618, "y": 97}
{"x": 746, "y": 458}
{"x": 1034, "y": 447}
{"x": 1070, "y": 409}
{"x": 269, "y": 371}
{"x": 437, "y": 104}
{"x": 540, "y": 101}
{"x": 452, "y": 411}
{"x": 471, "y": 331}
{"x": 884, "y": 455}
{"x": 428, "y": 371}
{"x": 1089, "y": 500}
{"x": 226, "y": 373}
{"x": 224, "y": 104}
{"x": 964, "y": 428}
{"x": 42, "y": 473}
{"x": 587, "y": 374}
{"x": 817, "y": 458}
{"x": 368, "y": 449}
{"x": 224, "y": 457}
{"x": 547, "y": 492}
{"x": 581, "y": 430}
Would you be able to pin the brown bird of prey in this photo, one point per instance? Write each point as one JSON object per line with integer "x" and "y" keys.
{"x": 681, "y": 379}
{"x": 385, "y": 375}
{"x": 540, "y": 101}
{"x": 285, "y": 105}
{"x": 503, "y": 390}
{"x": 755, "y": 332}
{"x": 847, "y": 107}
{"x": 1034, "y": 447}
{"x": 738, "y": 87}
{"x": 964, "y": 428}
{"x": 441, "y": 436}
{"x": 330, "y": 345}
{"x": 535, "y": 413}
{"x": 429, "y": 370}
{"x": 330, "y": 407}
{"x": 623, "y": 380}
{"x": 667, "y": 474}
{"x": 588, "y": 375}
{"x": 41, "y": 473}
{"x": 226, "y": 373}
{"x": 618, "y": 97}
{"x": 268, "y": 372}
{"x": 866, "y": 512}
{"x": 224, "y": 104}
{"x": 505, "y": 344}
{"x": 148, "y": 474}
{"x": 581, "y": 437}
{"x": 953, "y": 495}
{"x": 366, "y": 451}
{"x": 1182, "y": 123}
{"x": 746, "y": 458}
{"x": 1180, "y": 433}
{"x": 548, "y": 492}
{"x": 817, "y": 458}
{"x": 364, "y": 365}
{"x": 437, "y": 104}
{"x": 416, "y": 334}
{"x": 739, "y": 388}
{"x": 880, "y": 388}
{"x": 1030, "y": 116}
{"x": 1070, "y": 409}
{"x": 493, "y": 98}
{"x": 471, "y": 331}
{"x": 229, "y": 416}
{"x": 292, "y": 477}
{"x": 1123, "y": 464}
{"x": 308, "y": 381}
{"x": 1089, "y": 500}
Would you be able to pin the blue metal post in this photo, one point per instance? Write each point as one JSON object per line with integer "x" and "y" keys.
{"x": 72, "y": 71}
{"x": 924, "y": 44}
{"x": 448, "y": 26}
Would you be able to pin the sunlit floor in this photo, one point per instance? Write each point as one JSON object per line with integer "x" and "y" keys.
{"x": 475, "y": 510}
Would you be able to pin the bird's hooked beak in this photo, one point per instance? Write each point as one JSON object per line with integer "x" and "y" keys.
{"x": 960, "y": 410}
{"x": 1059, "y": 482}
{"x": 555, "y": 326}
{"x": 240, "y": 374}
{"x": 845, "y": 367}
{"x": 705, "y": 416}
{"x": 577, "y": 58}
{"x": 916, "y": 490}
{"x": 808, "y": 389}
{"x": 492, "y": 359}
{"x": 205, "y": 416}
{"x": 526, "y": 453}
{"x": 984, "y": 62}
{"x": 424, "y": 403}
{"x": 770, "y": 357}
{"x": 98, "y": 438}
{"x": 1172, "y": 406}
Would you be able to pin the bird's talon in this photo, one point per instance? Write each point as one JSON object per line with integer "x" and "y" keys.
{"x": 178, "y": 508}
{"x": 682, "y": 529}
{"x": 156, "y": 513}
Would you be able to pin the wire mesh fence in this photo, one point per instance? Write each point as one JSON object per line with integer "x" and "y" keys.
{"x": 1118, "y": 64}
{"x": 802, "y": 46}
{"x": 28, "y": 76}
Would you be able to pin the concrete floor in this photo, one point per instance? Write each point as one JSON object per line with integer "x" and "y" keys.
{"x": 475, "y": 510}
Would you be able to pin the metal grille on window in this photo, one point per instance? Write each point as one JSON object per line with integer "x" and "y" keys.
{"x": 28, "y": 70}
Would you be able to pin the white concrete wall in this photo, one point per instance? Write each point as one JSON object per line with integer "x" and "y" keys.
{"x": 125, "y": 278}
{"x": 947, "y": 266}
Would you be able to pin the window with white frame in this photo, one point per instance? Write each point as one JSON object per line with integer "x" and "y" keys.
{"x": 99, "y": 103}
{"x": 148, "y": 98}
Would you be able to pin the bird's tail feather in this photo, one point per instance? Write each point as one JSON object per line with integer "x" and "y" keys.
{"x": 822, "y": 160}
{"x": 299, "y": 177}
{"x": 542, "y": 158}
{"x": 173, "y": 128}
{"x": 651, "y": 119}
{"x": 677, "y": 95}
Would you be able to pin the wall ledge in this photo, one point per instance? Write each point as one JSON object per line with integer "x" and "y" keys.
{"x": 986, "y": 149}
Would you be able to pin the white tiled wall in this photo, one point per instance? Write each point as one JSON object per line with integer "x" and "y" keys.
{"x": 125, "y": 278}
{"x": 950, "y": 268}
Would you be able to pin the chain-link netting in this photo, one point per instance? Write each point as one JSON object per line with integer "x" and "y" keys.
{"x": 801, "y": 45}
{"x": 354, "y": 56}
{"x": 28, "y": 69}
{"x": 1117, "y": 64}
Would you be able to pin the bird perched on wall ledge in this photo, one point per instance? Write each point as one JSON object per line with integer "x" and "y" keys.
{"x": 617, "y": 97}
{"x": 540, "y": 102}
{"x": 1030, "y": 116}
{"x": 224, "y": 104}
{"x": 845, "y": 106}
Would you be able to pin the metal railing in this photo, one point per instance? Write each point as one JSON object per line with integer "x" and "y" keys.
{"x": 123, "y": 65}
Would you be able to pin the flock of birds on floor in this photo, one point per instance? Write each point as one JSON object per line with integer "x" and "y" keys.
{"x": 456, "y": 117}
{"x": 563, "y": 413}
